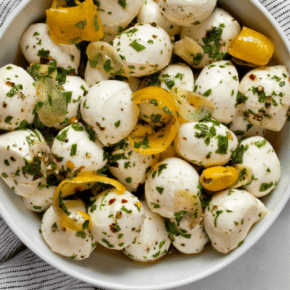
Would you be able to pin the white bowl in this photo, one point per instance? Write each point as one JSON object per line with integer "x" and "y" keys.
{"x": 115, "y": 271}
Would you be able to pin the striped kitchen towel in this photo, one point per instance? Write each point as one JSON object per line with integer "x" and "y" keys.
{"x": 22, "y": 269}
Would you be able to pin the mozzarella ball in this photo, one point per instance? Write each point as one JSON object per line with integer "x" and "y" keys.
{"x": 36, "y": 43}
{"x": 162, "y": 185}
{"x": 94, "y": 75}
{"x": 219, "y": 82}
{"x": 187, "y": 13}
{"x": 265, "y": 98}
{"x": 186, "y": 237}
{"x": 144, "y": 48}
{"x": 110, "y": 111}
{"x": 150, "y": 12}
{"x": 20, "y": 167}
{"x": 177, "y": 75}
{"x": 116, "y": 15}
{"x": 215, "y": 34}
{"x": 129, "y": 166}
{"x": 41, "y": 199}
{"x": 205, "y": 143}
{"x": 243, "y": 128}
{"x": 229, "y": 217}
{"x": 152, "y": 242}
{"x": 75, "y": 88}
{"x": 117, "y": 219}
{"x": 63, "y": 240}
{"x": 260, "y": 157}
{"x": 73, "y": 150}
{"x": 17, "y": 96}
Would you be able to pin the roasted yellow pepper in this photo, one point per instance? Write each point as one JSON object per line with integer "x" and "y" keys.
{"x": 218, "y": 177}
{"x": 161, "y": 140}
{"x": 74, "y": 24}
{"x": 82, "y": 181}
{"x": 252, "y": 46}
{"x": 142, "y": 130}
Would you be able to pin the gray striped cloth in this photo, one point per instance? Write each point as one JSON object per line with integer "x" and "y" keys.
{"x": 22, "y": 269}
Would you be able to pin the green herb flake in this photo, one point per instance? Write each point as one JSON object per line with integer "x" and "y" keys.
{"x": 117, "y": 124}
{"x": 43, "y": 53}
{"x": 73, "y": 150}
{"x": 207, "y": 93}
{"x": 8, "y": 119}
{"x": 159, "y": 189}
{"x": 266, "y": 186}
{"x": 137, "y": 46}
{"x": 81, "y": 234}
{"x": 124, "y": 209}
{"x": 81, "y": 24}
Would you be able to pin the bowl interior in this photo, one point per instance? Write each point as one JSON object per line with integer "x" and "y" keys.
{"x": 111, "y": 269}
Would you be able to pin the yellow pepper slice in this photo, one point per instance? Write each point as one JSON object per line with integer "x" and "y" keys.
{"x": 142, "y": 130}
{"x": 192, "y": 107}
{"x": 161, "y": 140}
{"x": 74, "y": 24}
{"x": 82, "y": 181}
{"x": 218, "y": 177}
{"x": 252, "y": 46}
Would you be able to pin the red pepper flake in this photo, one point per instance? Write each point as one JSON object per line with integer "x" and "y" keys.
{"x": 252, "y": 77}
{"x": 214, "y": 207}
{"x": 111, "y": 201}
{"x": 77, "y": 189}
{"x": 124, "y": 201}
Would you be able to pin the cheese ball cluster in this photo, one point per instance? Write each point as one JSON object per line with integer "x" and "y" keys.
{"x": 146, "y": 138}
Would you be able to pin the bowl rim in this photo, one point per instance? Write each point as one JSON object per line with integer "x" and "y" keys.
{"x": 235, "y": 254}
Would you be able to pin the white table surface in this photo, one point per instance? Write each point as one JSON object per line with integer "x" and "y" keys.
{"x": 266, "y": 266}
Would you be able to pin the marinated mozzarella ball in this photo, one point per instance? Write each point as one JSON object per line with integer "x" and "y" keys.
{"x": 41, "y": 199}
{"x": 243, "y": 128}
{"x": 17, "y": 96}
{"x": 265, "y": 98}
{"x": 129, "y": 166}
{"x": 144, "y": 49}
{"x": 229, "y": 217}
{"x": 75, "y": 88}
{"x": 177, "y": 75}
{"x": 215, "y": 35}
{"x": 63, "y": 240}
{"x": 219, "y": 82}
{"x": 187, "y": 13}
{"x": 74, "y": 150}
{"x": 186, "y": 237}
{"x": 116, "y": 15}
{"x": 152, "y": 242}
{"x": 116, "y": 219}
{"x": 36, "y": 43}
{"x": 164, "y": 184}
{"x": 260, "y": 157}
{"x": 150, "y": 12}
{"x": 23, "y": 155}
{"x": 110, "y": 111}
{"x": 94, "y": 75}
{"x": 205, "y": 143}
